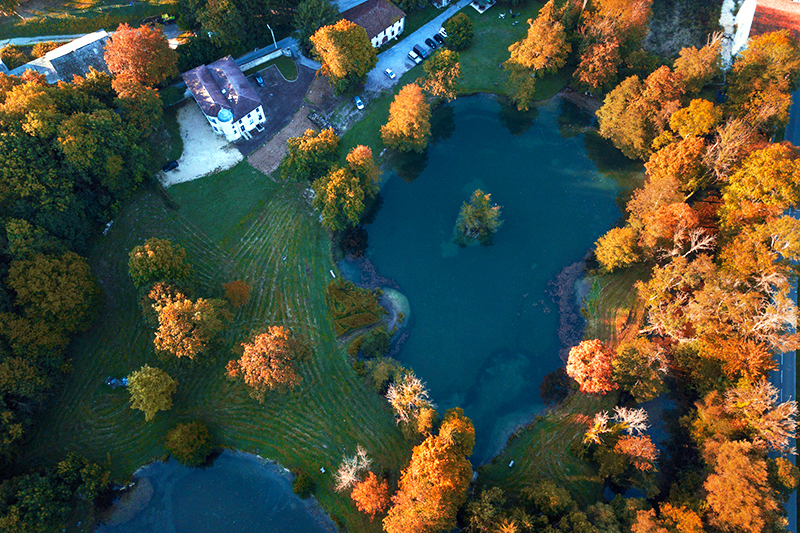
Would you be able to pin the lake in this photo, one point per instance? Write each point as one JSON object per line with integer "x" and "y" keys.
{"x": 483, "y": 328}
{"x": 239, "y": 493}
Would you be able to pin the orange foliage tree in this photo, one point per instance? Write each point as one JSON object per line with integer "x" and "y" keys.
{"x": 371, "y": 496}
{"x": 187, "y": 328}
{"x": 434, "y": 485}
{"x": 589, "y": 364}
{"x": 237, "y": 292}
{"x": 409, "y": 125}
{"x": 141, "y": 56}
{"x": 269, "y": 362}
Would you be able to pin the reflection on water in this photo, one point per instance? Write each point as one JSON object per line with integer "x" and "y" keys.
{"x": 484, "y": 332}
{"x": 239, "y": 493}
{"x": 515, "y": 121}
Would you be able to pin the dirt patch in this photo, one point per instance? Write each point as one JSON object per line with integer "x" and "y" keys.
{"x": 269, "y": 156}
{"x": 586, "y": 102}
{"x": 320, "y": 95}
{"x": 204, "y": 151}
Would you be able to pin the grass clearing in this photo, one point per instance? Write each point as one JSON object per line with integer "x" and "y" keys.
{"x": 234, "y": 225}
{"x": 286, "y": 66}
{"x": 615, "y": 312}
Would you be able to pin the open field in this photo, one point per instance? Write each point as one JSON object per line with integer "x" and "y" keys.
{"x": 615, "y": 312}
{"x": 237, "y": 224}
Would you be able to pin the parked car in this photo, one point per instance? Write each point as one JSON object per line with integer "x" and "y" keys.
{"x": 359, "y": 103}
{"x": 413, "y": 56}
{"x": 259, "y": 79}
{"x": 259, "y": 127}
{"x": 439, "y": 39}
{"x": 172, "y": 165}
{"x": 420, "y": 52}
{"x": 390, "y": 74}
{"x": 431, "y": 43}
{"x": 442, "y": 32}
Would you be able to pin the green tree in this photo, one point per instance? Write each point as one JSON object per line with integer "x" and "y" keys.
{"x": 409, "y": 124}
{"x": 59, "y": 289}
{"x": 459, "y": 32}
{"x": 478, "y": 220}
{"x": 346, "y": 54}
{"x": 341, "y": 194}
{"x": 158, "y": 260}
{"x": 26, "y": 239}
{"x": 442, "y": 72}
{"x": 223, "y": 22}
{"x": 311, "y": 155}
{"x": 639, "y": 368}
{"x": 151, "y": 391}
{"x": 190, "y": 443}
{"x": 310, "y": 16}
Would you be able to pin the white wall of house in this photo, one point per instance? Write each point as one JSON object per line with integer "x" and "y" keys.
{"x": 241, "y": 128}
{"x": 744, "y": 19}
{"x": 389, "y": 33}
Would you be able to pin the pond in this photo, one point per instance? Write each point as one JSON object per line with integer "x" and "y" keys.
{"x": 483, "y": 327}
{"x": 239, "y": 493}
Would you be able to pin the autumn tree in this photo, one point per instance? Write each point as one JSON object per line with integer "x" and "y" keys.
{"x": 157, "y": 260}
{"x": 442, "y": 72}
{"x": 140, "y": 55}
{"x": 434, "y": 485}
{"x": 151, "y": 391}
{"x": 739, "y": 495}
{"x": 58, "y": 289}
{"x": 346, "y": 54}
{"x": 311, "y": 15}
{"x": 635, "y": 113}
{"x": 756, "y": 407}
{"x": 237, "y": 292}
{"x": 311, "y": 155}
{"x": 639, "y": 368}
{"x": 589, "y": 364}
{"x": 682, "y": 162}
{"x": 341, "y": 195}
{"x": 618, "y": 248}
{"x": 408, "y": 397}
{"x": 478, "y": 220}
{"x": 409, "y": 125}
{"x": 269, "y": 362}
{"x": 189, "y": 443}
{"x": 700, "y": 67}
{"x": 351, "y": 469}
{"x": 371, "y": 496}
{"x": 599, "y": 62}
{"x": 459, "y": 32}
{"x": 699, "y": 118}
{"x": 188, "y": 328}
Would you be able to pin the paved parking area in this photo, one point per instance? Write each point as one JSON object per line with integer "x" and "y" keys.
{"x": 281, "y": 99}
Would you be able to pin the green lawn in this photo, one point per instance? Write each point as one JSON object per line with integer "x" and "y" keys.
{"x": 481, "y": 63}
{"x": 83, "y": 17}
{"x": 286, "y": 66}
{"x": 237, "y": 224}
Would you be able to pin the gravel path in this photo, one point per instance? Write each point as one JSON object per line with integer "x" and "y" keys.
{"x": 203, "y": 151}
{"x": 269, "y": 156}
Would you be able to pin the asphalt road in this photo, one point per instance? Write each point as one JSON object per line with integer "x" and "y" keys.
{"x": 785, "y": 377}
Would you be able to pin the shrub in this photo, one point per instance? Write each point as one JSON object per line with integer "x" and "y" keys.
{"x": 459, "y": 32}
{"x": 303, "y": 485}
{"x": 352, "y": 307}
{"x": 13, "y": 56}
{"x": 190, "y": 443}
{"x": 376, "y": 343}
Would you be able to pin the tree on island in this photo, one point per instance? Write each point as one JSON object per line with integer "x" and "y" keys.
{"x": 269, "y": 362}
{"x": 151, "y": 391}
{"x": 478, "y": 220}
{"x": 409, "y": 125}
{"x": 346, "y": 54}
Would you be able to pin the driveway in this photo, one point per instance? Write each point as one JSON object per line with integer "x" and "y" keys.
{"x": 204, "y": 152}
{"x": 396, "y": 57}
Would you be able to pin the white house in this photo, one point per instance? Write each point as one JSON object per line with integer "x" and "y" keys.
{"x": 231, "y": 105}
{"x": 382, "y": 19}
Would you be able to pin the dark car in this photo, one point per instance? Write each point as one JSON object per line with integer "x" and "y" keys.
{"x": 430, "y": 42}
{"x": 420, "y": 52}
{"x": 259, "y": 79}
{"x": 172, "y": 165}
{"x": 438, "y": 38}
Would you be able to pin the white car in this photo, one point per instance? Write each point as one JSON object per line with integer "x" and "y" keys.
{"x": 359, "y": 103}
{"x": 442, "y": 32}
{"x": 389, "y": 73}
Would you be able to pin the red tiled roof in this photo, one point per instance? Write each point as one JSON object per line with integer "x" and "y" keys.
{"x": 774, "y": 15}
{"x": 374, "y": 16}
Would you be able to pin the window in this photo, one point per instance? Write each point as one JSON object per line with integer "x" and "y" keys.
{"x": 251, "y": 121}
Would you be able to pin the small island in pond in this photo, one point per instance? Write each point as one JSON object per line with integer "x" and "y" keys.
{"x": 477, "y": 221}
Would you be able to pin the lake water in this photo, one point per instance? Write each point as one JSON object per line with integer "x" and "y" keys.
{"x": 483, "y": 328}
{"x": 239, "y": 493}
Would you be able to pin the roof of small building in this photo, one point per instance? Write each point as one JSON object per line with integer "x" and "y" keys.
{"x": 222, "y": 85}
{"x": 774, "y": 15}
{"x": 374, "y": 15}
{"x": 70, "y": 60}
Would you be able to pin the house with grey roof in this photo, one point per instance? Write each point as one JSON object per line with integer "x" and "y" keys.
{"x": 231, "y": 105}
{"x": 75, "y": 58}
{"x": 382, "y": 19}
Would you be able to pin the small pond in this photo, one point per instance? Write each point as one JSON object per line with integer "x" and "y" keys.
{"x": 483, "y": 327}
{"x": 239, "y": 493}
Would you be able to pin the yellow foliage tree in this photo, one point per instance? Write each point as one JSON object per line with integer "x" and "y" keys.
{"x": 409, "y": 125}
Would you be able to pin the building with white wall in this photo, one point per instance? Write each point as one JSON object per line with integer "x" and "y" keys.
{"x": 757, "y": 17}
{"x": 382, "y": 19}
{"x": 229, "y": 102}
